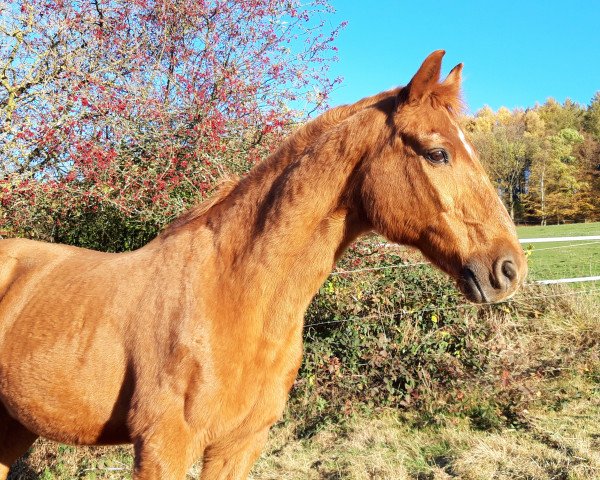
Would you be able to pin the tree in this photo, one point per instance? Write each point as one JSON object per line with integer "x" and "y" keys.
{"x": 590, "y": 152}
{"x": 500, "y": 142}
{"x": 558, "y": 117}
{"x": 589, "y": 171}
{"x": 556, "y": 190}
{"x": 543, "y": 160}
{"x": 591, "y": 119}
{"x": 134, "y": 108}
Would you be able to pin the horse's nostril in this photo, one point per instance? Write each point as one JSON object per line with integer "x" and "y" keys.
{"x": 509, "y": 270}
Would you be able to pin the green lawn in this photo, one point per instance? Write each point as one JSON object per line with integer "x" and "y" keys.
{"x": 573, "y": 230}
{"x": 563, "y": 259}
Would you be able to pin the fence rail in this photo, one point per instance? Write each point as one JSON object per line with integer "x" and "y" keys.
{"x": 568, "y": 280}
{"x": 559, "y": 239}
{"x": 564, "y": 239}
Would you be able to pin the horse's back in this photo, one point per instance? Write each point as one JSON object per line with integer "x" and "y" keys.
{"x": 30, "y": 254}
{"x": 36, "y": 252}
{"x": 18, "y": 258}
{"x": 28, "y": 266}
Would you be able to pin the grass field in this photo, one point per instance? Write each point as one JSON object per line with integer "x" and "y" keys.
{"x": 570, "y": 230}
{"x": 562, "y": 259}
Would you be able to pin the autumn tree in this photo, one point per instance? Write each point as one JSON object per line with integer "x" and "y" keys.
{"x": 590, "y": 152}
{"x": 545, "y": 160}
{"x": 499, "y": 139}
{"x": 560, "y": 182}
{"x": 116, "y": 115}
{"x": 591, "y": 118}
{"x": 555, "y": 187}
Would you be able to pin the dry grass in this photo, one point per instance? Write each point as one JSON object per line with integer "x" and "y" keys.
{"x": 49, "y": 461}
{"x": 373, "y": 449}
{"x": 557, "y": 445}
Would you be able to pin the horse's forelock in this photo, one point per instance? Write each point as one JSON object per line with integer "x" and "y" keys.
{"x": 445, "y": 97}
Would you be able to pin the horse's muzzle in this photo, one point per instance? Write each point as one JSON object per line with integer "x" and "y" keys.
{"x": 482, "y": 284}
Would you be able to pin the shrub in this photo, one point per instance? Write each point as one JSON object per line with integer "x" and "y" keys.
{"x": 403, "y": 337}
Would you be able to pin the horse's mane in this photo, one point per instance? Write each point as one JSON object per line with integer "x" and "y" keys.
{"x": 303, "y": 136}
{"x": 307, "y": 135}
{"x": 222, "y": 191}
{"x": 313, "y": 129}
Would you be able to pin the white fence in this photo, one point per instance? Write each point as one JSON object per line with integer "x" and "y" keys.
{"x": 568, "y": 280}
{"x": 594, "y": 239}
{"x": 559, "y": 239}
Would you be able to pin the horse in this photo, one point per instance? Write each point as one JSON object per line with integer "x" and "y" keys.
{"x": 187, "y": 347}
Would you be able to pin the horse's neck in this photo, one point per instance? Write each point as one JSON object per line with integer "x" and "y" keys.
{"x": 281, "y": 230}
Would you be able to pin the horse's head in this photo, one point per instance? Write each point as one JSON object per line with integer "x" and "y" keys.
{"x": 424, "y": 186}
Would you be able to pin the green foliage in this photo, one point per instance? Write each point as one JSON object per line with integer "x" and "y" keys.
{"x": 563, "y": 142}
{"x": 399, "y": 337}
{"x": 558, "y": 117}
{"x": 591, "y": 120}
{"x": 360, "y": 339}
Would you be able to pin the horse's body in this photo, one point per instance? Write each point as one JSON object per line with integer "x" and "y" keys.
{"x": 188, "y": 347}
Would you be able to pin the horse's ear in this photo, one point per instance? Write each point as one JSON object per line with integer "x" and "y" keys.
{"x": 426, "y": 77}
{"x": 451, "y": 86}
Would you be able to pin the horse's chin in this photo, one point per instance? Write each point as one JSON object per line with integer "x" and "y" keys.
{"x": 471, "y": 288}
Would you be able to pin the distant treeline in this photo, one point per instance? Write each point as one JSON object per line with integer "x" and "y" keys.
{"x": 545, "y": 160}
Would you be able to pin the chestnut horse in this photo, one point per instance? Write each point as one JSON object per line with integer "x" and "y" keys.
{"x": 187, "y": 347}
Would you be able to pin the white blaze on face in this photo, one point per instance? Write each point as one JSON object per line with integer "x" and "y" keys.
{"x": 461, "y": 135}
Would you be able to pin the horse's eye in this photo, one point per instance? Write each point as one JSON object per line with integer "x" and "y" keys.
{"x": 437, "y": 155}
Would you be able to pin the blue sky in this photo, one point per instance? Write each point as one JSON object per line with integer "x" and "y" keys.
{"x": 516, "y": 53}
